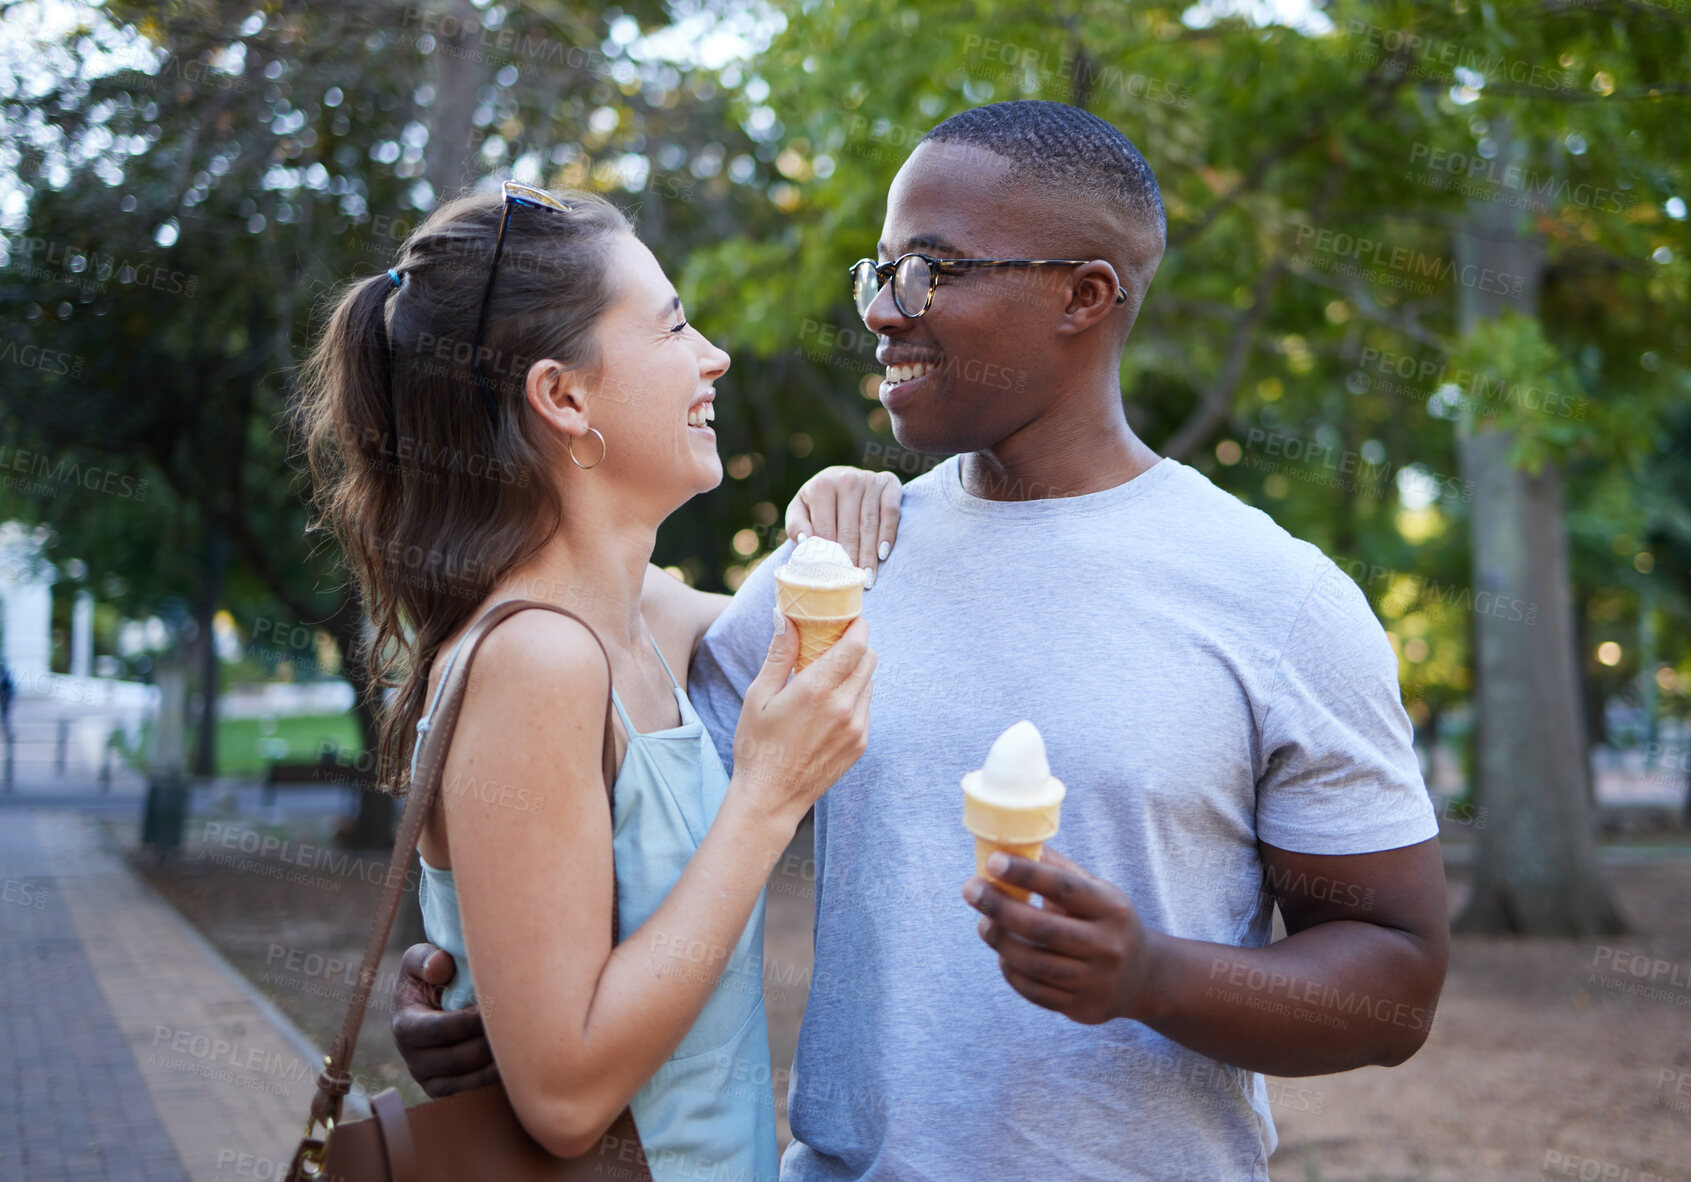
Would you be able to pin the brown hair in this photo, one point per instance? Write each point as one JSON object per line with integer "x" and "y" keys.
{"x": 436, "y": 488}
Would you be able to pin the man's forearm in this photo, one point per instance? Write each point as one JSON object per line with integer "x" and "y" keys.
{"x": 1329, "y": 998}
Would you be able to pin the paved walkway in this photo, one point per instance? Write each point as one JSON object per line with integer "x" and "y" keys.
{"x": 131, "y": 1049}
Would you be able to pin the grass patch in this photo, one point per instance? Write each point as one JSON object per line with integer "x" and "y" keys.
{"x": 246, "y": 745}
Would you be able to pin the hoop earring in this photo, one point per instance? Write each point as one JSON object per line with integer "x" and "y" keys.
{"x": 570, "y": 448}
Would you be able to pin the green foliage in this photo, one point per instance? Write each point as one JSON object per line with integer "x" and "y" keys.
{"x": 185, "y": 226}
{"x": 1511, "y": 352}
{"x": 1312, "y": 181}
{"x": 1280, "y": 153}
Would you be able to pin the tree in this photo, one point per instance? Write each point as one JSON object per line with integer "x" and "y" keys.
{"x": 185, "y": 219}
{"x": 1317, "y": 300}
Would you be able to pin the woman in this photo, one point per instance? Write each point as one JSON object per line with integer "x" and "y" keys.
{"x": 443, "y": 408}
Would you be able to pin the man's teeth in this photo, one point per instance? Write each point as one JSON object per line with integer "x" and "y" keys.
{"x": 704, "y": 413}
{"x": 904, "y": 373}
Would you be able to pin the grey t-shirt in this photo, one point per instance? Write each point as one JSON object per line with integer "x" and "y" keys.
{"x": 1203, "y": 680}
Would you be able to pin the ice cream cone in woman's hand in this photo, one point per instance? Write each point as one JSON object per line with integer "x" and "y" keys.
{"x": 821, "y": 592}
{"x": 1012, "y": 803}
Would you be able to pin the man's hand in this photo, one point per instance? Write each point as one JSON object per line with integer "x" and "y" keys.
{"x": 1084, "y": 953}
{"x": 446, "y": 1052}
{"x": 1354, "y": 983}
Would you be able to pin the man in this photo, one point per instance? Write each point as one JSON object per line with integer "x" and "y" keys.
{"x": 1216, "y": 695}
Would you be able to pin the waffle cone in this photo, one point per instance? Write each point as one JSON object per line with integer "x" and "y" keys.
{"x": 984, "y": 848}
{"x": 1021, "y": 830}
{"x": 821, "y": 614}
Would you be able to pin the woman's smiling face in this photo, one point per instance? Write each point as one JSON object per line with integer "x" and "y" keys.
{"x": 653, "y": 396}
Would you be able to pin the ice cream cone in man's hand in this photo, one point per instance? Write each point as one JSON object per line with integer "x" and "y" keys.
{"x": 1012, "y": 803}
{"x": 821, "y": 592}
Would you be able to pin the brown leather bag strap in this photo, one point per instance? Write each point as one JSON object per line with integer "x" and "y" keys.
{"x": 389, "y": 1112}
{"x": 434, "y": 733}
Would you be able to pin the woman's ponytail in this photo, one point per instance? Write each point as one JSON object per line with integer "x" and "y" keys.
{"x": 348, "y": 421}
{"x": 432, "y": 499}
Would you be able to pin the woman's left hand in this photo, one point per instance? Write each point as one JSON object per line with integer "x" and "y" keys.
{"x": 856, "y": 508}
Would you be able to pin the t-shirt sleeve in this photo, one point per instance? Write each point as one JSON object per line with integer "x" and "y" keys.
{"x": 1340, "y": 773}
{"x": 732, "y": 652}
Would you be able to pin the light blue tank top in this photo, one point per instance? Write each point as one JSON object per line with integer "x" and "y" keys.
{"x": 708, "y": 1112}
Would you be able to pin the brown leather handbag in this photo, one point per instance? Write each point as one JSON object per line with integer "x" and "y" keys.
{"x": 474, "y": 1134}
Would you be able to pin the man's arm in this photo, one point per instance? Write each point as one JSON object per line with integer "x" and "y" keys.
{"x": 1354, "y": 983}
{"x": 1358, "y": 976}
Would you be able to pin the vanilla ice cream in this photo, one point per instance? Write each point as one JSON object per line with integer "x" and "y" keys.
{"x": 1016, "y": 772}
{"x": 821, "y": 562}
{"x": 1012, "y": 803}
{"x": 821, "y": 592}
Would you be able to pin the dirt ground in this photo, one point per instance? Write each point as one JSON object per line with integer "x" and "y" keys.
{"x": 1548, "y": 1059}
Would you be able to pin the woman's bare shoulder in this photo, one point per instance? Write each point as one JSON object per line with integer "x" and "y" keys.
{"x": 539, "y": 645}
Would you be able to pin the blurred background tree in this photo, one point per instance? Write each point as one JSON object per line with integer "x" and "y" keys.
{"x": 1327, "y": 338}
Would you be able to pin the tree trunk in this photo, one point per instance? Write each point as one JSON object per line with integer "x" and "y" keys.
{"x": 346, "y": 625}
{"x": 1429, "y": 736}
{"x": 377, "y": 821}
{"x": 449, "y": 163}
{"x": 216, "y": 569}
{"x": 378, "y": 817}
{"x": 1536, "y": 871}
{"x": 1590, "y": 690}
{"x": 374, "y": 825}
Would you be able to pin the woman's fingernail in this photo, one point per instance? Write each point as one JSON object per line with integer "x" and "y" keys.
{"x": 972, "y": 891}
{"x": 802, "y": 535}
{"x": 870, "y": 581}
{"x": 997, "y": 863}
{"x": 886, "y": 549}
{"x": 780, "y": 622}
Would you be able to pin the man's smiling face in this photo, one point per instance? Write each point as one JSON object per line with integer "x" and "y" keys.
{"x": 981, "y": 353}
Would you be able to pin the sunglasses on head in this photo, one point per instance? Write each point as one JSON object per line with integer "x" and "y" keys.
{"x": 515, "y": 193}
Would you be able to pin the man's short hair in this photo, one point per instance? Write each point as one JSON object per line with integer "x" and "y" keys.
{"x": 1062, "y": 147}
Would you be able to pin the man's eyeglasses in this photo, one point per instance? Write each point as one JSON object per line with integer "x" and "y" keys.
{"x": 916, "y": 276}
{"x": 515, "y": 193}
